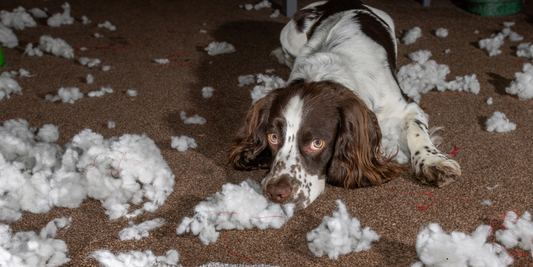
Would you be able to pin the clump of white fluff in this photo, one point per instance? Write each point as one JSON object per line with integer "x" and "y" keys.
{"x": 423, "y": 75}
{"x": 339, "y": 235}
{"x": 89, "y": 62}
{"x": 18, "y": 19}
{"x": 31, "y": 51}
{"x": 441, "y": 32}
{"x": 141, "y": 230}
{"x": 517, "y": 232}
{"x": 522, "y": 85}
{"x": 107, "y": 25}
{"x": 134, "y": 258}
{"x": 436, "y": 248}
{"x": 8, "y": 37}
{"x": 412, "y": 35}
{"x": 195, "y": 119}
{"x": 234, "y": 207}
{"x": 101, "y": 92}
{"x": 32, "y": 249}
{"x": 59, "y": 19}
{"x": 8, "y": 86}
{"x": 267, "y": 84}
{"x": 216, "y": 48}
{"x": 48, "y": 133}
{"x": 492, "y": 44}
{"x": 393, "y": 131}
{"x": 525, "y": 50}
{"x": 66, "y": 95}
{"x": 182, "y": 143}
{"x": 499, "y": 123}
{"x": 56, "y": 46}
{"x": 207, "y": 92}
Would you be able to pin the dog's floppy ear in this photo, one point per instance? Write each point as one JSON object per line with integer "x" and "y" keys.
{"x": 249, "y": 150}
{"x": 358, "y": 159}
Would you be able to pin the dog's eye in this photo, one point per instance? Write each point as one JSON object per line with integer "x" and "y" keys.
{"x": 317, "y": 144}
{"x": 273, "y": 138}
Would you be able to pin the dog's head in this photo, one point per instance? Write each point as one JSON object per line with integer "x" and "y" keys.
{"x": 307, "y": 134}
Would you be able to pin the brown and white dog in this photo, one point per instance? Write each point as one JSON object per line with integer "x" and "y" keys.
{"x": 325, "y": 125}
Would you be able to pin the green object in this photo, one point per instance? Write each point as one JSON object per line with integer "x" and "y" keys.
{"x": 493, "y": 8}
{"x": 1, "y": 57}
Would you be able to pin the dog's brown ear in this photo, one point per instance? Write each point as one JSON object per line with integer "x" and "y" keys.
{"x": 249, "y": 150}
{"x": 358, "y": 159}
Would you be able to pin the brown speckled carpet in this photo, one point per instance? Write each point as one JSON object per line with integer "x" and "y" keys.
{"x": 160, "y": 28}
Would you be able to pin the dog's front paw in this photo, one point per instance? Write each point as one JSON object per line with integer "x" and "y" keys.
{"x": 440, "y": 173}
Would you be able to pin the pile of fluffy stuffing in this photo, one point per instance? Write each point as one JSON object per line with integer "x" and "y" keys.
{"x": 423, "y": 75}
{"x": 66, "y": 95}
{"x": 339, "y": 235}
{"x": 29, "y": 249}
{"x": 500, "y": 123}
{"x": 36, "y": 174}
{"x": 59, "y": 19}
{"x": 235, "y": 207}
{"x": 492, "y": 44}
{"x": 134, "y": 258}
{"x": 216, "y": 48}
{"x": 141, "y": 230}
{"x": 8, "y": 86}
{"x": 412, "y": 35}
{"x": 182, "y": 143}
{"x": 522, "y": 86}
{"x": 18, "y": 19}
{"x": 266, "y": 83}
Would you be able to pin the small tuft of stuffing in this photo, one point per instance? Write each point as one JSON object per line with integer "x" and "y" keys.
{"x": 8, "y": 86}
{"x": 101, "y": 92}
{"x": 162, "y": 60}
{"x": 207, "y": 92}
{"x": 447, "y": 51}
{"x": 89, "y": 62}
{"x": 392, "y": 131}
{"x": 30, "y": 51}
{"x": 32, "y": 249}
{"x": 24, "y": 73}
{"x": 141, "y": 230}
{"x": 499, "y": 123}
{"x": 85, "y": 20}
{"x": 441, "y": 32}
{"x": 492, "y": 187}
{"x": 18, "y": 19}
{"x": 268, "y": 71}
{"x": 195, "y": 119}
{"x": 107, "y": 25}
{"x": 412, "y": 35}
{"x": 339, "y": 235}
{"x": 59, "y": 19}
{"x": 182, "y": 143}
{"x": 235, "y": 207}
{"x": 111, "y": 125}
{"x": 106, "y": 68}
{"x": 7, "y": 37}
{"x": 268, "y": 83}
{"x": 131, "y": 92}
{"x": 38, "y": 13}
{"x": 262, "y": 4}
{"x": 525, "y": 50}
{"x": 216, "y": 48}
{"x": 435, "y": 248}
{"x": 518, "y": 231}
{"x": 89, "y": 79}
{"x": 490, "y": 101}
{"x": 97, "y": 35}
{"x": 56, "y": 46}
{"x": 48, "y": 133}
{"x": 508, "y": 24}
{"x": 203, "y": 31}
{"x": 513, "y": 36}
{"x": 522, "y": 85}
{"x": 492, "y": 44}
{"x": 486, "y": 202}
{"x": 246, "y": 80}
{"x": 248, "y": 6}
{"x": 275, "y": 14}
{"x": 421, "y": 76}
{"x": 66, "y": 95}
{"x": 133, "y": 258}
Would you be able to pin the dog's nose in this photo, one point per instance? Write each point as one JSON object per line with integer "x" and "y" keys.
{"x": 278, "y": 192}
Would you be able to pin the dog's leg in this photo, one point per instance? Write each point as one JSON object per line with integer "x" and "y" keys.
{"x": 429, "y": 164}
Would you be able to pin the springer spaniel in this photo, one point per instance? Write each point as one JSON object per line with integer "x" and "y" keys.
{"x": 325, "y": 125}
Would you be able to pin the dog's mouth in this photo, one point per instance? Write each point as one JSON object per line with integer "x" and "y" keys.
{"x": 285, "y": 189}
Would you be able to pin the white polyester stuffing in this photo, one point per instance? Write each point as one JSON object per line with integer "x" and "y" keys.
{"x": 106, "y": 68}
{"x": 48, "y": 133}
{"x": 207, "y": 92}
{"x": 513, "y": 36}
{"x": 8, "y": 86}
{"x": 492, "y": 44}
{"x": 107, "y": 25}
{"x": 441, "y": 32}
{"x": 111, "y": 124}
{"x": 131, "y": 92}
{"x": 490, "y": 101}
{"x": 141, "y": 230}
{"x": 7, "y": 37}
{"x": 89, "y": 62}
{"x": 235, "y": 207}
{"x": 38, "y": 13}
{"x": 275, "y": 14}
{"x": 435, "y": 248}
{"x": 412, "y": 35}
{"x": 499, "y": 123}
{"x": 162, "y": 60}
{"x": 522, "y": 85}
{"x": 89, "y": 79}
{"x": 29, "y": 249}
{"x": 215, "y": 48}
{"x": 268, "y": 83}
{"x": 18, "y": 19}
{"x": 525, "y": 50}
{"x": 30, "y": 51}
{"x": 246, "y": 80}
{"x": 56, "y": 46}
{"x": 36, "y": 176}
{"x": 85, "y": 20}
{"x": 101, "y": 92}
{"x": 134, "y": 258}
{"x": 195, "y": 119}
{"x": 66, "y": 95}
{"x": 59, "y": 19}
{"x": 393, "y": 130}
{"x": 339, "y": 235}
{"x": 182, "y": 143}
{"x": 420, "y": 77}
{"x": 518, "y": 232}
